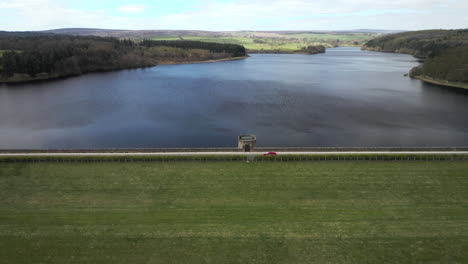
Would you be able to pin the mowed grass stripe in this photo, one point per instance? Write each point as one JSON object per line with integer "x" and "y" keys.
{"x": 233, "y": 212}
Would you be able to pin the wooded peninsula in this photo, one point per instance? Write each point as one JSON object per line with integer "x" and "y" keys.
{"x": 31, "y": 57}
{"x": 445, "y": 54}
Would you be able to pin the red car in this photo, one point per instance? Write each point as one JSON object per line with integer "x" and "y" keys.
{"x": 270, "y": 154}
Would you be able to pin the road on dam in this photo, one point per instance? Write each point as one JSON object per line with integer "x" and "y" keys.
{"x": 96, "y": 154}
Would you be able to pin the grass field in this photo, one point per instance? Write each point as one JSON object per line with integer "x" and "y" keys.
{"x": 234, "y": 212}
{"x": 340, "y": 37}
{"x": 248, "y": 43}
{"x": 287, "y": 43}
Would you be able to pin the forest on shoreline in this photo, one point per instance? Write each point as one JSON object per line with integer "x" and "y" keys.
{"x": 26, "y": 57}
{"x": 29, "y": 56}
{"x": 276, "y": 42}
{"x": 445, "y": 53}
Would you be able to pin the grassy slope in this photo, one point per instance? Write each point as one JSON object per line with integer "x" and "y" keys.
{"x": 344, "y": 37}
{"x": 248, "y": 43}
{"x": 218, "y": 212}
{"x": 287, "y": 43}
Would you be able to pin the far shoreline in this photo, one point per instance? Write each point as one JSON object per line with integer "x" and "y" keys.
{"x": 200, "y": 62}
{"x": 425, "y": 79}
{"x": 53, "y": 78}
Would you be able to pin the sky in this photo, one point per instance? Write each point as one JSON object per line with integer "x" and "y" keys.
{"x": 227, "y": 15}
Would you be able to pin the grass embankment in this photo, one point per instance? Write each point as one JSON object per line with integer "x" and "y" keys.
{"x": 234, "y": 212}
{"x": 128, "y": 157}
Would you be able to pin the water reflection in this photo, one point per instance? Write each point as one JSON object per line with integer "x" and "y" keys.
{"x": 345, "y": 97}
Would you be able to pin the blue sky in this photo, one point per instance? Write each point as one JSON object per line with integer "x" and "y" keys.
{"x": 233, "y": 14}
{"x": 148, "y": 8}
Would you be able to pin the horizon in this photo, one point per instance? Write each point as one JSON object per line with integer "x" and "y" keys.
{"x": 233, "y": 15}
{"x": 240, "y": 30}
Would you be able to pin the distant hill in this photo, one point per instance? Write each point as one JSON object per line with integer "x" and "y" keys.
{"x": 285, "y": 41}
{"x": 119, "y": 33}
{"x": 421, "y": 44}
{"x": 384, "y": 31}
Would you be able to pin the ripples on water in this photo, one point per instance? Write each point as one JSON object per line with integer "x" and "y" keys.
{"x": 345, "y": 97}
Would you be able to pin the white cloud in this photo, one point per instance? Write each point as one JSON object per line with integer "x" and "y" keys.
{"x": 51, "y": 14}
{"x": 321, "y": 14}
{"x": 246, "y": 15}
{"x": 10, "y": 5}
{"x": 133, "y": 8}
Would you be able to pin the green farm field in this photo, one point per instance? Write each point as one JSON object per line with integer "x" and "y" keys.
{"x": 248, "y": 43}
{"x": 234, "y": 212}
{"x": 278, "y": 42}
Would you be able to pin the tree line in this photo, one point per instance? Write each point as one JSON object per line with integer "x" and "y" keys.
{"x": 313, "y": 49}
{"x": 26, "y": 57}
{"x": 235, "y": 50}
{"x": 445, "y": 52}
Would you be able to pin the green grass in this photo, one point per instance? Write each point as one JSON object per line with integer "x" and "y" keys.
{"x": 246, "y": 42}
{"x": 327, "y": 36}
{"x": 234, "y": 212}
{"x": 128, "y": 157}
{"x": 287, "y": 43}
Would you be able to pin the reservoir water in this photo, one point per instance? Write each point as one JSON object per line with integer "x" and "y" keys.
{"x": 346, "y": 97}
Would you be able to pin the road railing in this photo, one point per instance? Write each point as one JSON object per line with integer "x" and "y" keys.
{"x": 232, "y": 156}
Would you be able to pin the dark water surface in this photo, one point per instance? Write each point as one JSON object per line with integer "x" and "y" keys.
{"x": 345, "y": 97}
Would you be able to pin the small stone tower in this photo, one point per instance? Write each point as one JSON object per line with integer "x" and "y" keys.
{"x": 247, "y": 142}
